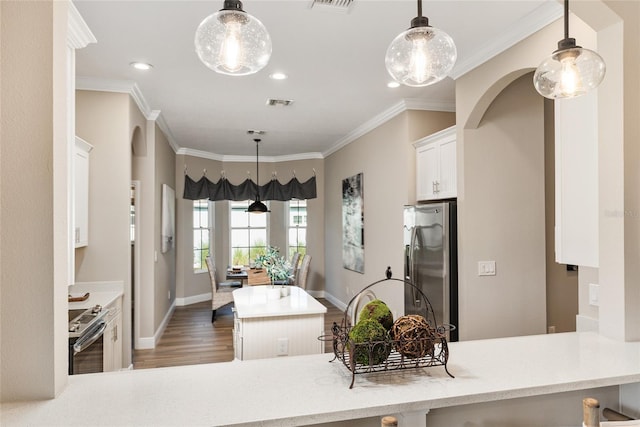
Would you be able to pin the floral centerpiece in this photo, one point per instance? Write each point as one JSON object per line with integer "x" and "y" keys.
{"x": 278, "y": 268}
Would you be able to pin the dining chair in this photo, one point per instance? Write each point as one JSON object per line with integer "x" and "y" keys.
{"x": 220, "y": 295}
{"x": 303, "y": 272}
{"x": 295, "y": 266}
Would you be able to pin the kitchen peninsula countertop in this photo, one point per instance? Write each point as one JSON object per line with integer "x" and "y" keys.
{"x": 277, "y": 392}
{"x": 253, "y": 301}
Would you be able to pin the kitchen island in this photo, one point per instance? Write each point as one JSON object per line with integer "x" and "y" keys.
{"x": 303, "y": 390}
{"x": 269, "y": 325}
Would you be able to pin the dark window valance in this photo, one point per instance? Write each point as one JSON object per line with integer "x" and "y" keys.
{"x": 224, "y": 190}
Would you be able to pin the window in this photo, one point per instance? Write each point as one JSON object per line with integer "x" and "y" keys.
{"x": 297, "y": 236}
{"x": 248, "y": 233}
{"x": 201, "y": 234}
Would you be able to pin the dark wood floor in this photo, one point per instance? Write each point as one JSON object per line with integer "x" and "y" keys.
{"x": 190, "y": 338}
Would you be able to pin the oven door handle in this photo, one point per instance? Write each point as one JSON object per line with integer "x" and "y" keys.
{"x": 83, "y": 342}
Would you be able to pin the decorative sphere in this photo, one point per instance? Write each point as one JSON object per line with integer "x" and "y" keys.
{"x": 421, "y": 56}
{"x": 371, "y": 342}
{"x": 233, "y": 42}
{"x": 413, "y": 336}
{"x": 378, "y": 311}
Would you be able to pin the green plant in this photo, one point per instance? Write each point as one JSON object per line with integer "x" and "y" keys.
{"x": 277, "y": 266}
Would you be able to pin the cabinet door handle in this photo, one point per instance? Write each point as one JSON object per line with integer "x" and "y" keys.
{"x": 437, "y": 186}
{"x": 433, "y": 187}
{"x": 115, "y": 333}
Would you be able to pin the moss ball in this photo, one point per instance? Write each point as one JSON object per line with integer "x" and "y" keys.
{"x": 413, "y": 336}
{"x": 372, "y": 345}
{"x": 378, "y": 311}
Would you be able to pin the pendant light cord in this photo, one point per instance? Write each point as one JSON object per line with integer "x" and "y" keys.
{"x": 566, "y": 19}
{"x": 257, "y": 172}
{"x": 419, "y": 8}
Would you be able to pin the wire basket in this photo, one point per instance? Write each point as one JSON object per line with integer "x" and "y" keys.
{"x": 426, "y": 348}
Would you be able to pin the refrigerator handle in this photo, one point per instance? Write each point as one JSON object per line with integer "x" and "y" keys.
{"x": 412, "y": 266}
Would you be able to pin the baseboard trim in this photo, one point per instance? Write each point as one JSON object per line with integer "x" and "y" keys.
{"x": 147, "y": 343}
{"x": 181, "y": 302}
{"x": 335, "y": 301}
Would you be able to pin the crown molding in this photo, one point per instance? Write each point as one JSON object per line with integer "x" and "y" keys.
{"x": 388, "y": 114}
{"x": 162, "y": 124}
{"x": 79, "y": 34}
{"x": 244, "y": 159}
{"x": 542, "y": 16}
{"x": 126, "y": 86}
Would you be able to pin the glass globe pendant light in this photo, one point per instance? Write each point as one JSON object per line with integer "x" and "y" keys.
{"x": 571, "y": 70}
{"x": 422, "y": 55}
{"x": 233, "y": 42}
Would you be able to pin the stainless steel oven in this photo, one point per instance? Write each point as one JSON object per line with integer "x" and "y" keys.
{"x": 86, "y": 331}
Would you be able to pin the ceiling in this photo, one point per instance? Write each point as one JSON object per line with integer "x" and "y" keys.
{"x": 334, "y": 60}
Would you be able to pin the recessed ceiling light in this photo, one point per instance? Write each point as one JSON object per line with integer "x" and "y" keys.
{"x": 278, "y": 76}
{"x": 393, "y": 84}
{"x": 141, "y": 65}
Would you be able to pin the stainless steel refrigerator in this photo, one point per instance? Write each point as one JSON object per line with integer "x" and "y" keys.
{"x": 431, "y": 261}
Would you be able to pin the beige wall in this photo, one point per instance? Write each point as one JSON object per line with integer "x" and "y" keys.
{"x": 143, "y": 165}
{"x": 501, "y": 217}
{"x": 190, "y": 284}
{"x": 386, "y": 157}
{"x": 102, "y": 119}
{"x": 34, "y": 156}
{"x": 107, "y": 121}
{"x": 165, "y": 269}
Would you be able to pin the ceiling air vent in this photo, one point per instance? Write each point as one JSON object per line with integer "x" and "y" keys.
{"x": 342, "y": 6}
{"x": 279, "y": 102}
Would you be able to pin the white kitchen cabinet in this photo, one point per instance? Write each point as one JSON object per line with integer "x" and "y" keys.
{"x": 436, "y": 166}
{"x": 81, "y": 192}
{"x": 576, "y": 167}
{"x": 112, "y": 348}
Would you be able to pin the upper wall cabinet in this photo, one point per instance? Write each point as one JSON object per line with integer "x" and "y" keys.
{"x": 576, "y": 151}
{"x": 81, "y": 192}
{"x": 436, "y": 165}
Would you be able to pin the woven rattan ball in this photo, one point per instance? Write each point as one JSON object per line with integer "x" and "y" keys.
{"x": 413, "y": 336}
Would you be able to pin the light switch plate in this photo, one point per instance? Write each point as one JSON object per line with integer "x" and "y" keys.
{"x": 486, "y": 268}
{"x": 594, "y": 294}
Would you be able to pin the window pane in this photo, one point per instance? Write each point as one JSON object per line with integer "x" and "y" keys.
{"x": 201, "y": 233}
{"x": 258, "y": 237}
{"x": 302, "y": 237}
{"x": 204, "y": 218}
{"x": 293, "y": 237}
{"x": 258, "y": 220}
{"x": 240, "y": 237}
{"x": 240, "y": 256}
{"x": 239, "y": 218}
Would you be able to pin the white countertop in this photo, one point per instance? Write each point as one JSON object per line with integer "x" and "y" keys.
{"x": 100, "y": 293}
{"x": 294, "y": 391}
{"x": 253, "y": 301}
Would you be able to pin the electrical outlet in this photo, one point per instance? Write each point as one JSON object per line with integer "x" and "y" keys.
{"x": 551, "y": 330}
{"x": 169, "y": 295}
{"x": 283, "y": 347}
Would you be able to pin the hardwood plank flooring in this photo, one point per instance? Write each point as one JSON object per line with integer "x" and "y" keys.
{"x": 190, "y": 338}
